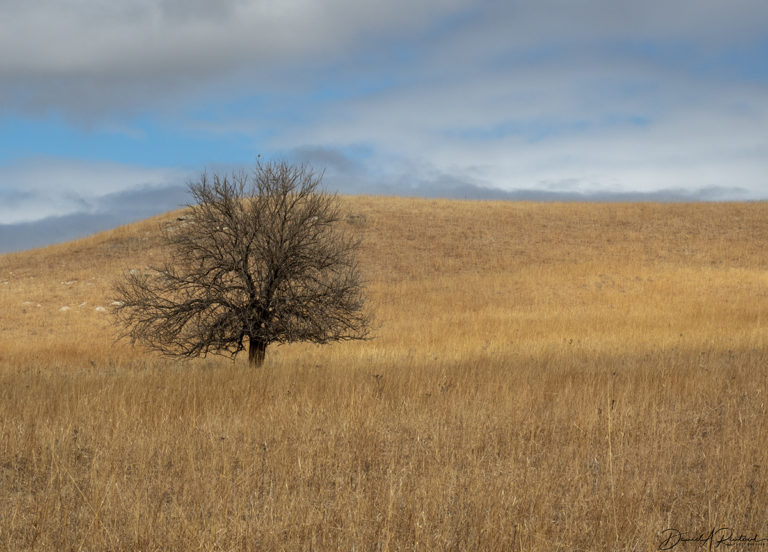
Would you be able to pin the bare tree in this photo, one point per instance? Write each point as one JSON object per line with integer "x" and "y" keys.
{"x": 261, "y": 260}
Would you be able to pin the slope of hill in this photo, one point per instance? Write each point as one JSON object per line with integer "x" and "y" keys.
{"x": 608, "y": 276}
{"x": 542, "y": 376}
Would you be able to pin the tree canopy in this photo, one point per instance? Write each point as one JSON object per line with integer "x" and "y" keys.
{"x": 263, "y": 258}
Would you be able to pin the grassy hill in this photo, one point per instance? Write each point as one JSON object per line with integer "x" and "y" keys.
{"x": 543, "y": 377}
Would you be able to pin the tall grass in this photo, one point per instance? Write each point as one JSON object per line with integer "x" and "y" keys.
{"x": 544, "y": 377}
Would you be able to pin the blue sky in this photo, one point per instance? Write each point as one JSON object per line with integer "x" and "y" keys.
{"x": 108, "y": 110}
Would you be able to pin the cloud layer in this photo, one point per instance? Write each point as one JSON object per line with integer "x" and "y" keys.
{"x": 90, "y": 58}
{"x": 46, "y": 188}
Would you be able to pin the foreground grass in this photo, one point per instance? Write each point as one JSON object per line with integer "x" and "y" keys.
{"x": 545, "y": 377}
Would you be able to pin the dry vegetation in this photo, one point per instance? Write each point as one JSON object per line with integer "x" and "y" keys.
{"x": 544, "y": 377}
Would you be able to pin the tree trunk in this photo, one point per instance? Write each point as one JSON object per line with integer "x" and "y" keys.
{"x": 256, "y": 351}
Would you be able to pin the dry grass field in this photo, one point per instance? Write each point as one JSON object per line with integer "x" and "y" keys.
{"x": 543, "y": 377}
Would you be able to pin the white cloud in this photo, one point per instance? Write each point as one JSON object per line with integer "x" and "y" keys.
{"x": 42, "y": 188}
{"x": 585, "y": 123}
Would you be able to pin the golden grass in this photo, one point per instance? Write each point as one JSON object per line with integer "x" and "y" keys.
{"x": 544, "y": 377}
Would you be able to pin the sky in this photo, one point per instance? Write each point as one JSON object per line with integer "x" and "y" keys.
{"x": 108, "y": 110}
